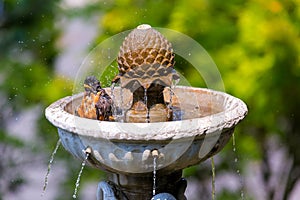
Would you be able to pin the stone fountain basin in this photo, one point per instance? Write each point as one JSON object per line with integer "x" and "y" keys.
{"x": 209, "y": 119}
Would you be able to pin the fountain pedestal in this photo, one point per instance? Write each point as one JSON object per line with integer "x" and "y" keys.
{"x": 141, "y": 186}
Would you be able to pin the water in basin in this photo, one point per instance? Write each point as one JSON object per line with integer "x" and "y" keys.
{"x": 187, "y": 103}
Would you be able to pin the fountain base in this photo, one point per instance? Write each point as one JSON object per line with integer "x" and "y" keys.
{"x": 125, "y": 187}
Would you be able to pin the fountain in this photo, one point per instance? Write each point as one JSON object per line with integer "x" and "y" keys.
{"x": 154, "y": 130}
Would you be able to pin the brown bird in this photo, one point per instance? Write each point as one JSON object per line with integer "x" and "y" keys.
{"x": 104, "y": 106}
{"x": 96, "y": 103}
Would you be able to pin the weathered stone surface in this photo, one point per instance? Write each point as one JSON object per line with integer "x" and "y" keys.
{"x": 121, "y": 147}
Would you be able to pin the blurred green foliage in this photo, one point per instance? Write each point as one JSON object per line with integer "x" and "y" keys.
{"x": 255, "y": 44}
{"x": 28, "y": 36}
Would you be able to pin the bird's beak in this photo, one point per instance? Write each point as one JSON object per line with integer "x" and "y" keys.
{"x": 87, "y": 86}
{"x": 99, "y": 93}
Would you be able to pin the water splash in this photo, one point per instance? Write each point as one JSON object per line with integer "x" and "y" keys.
{"x": 170, "y": 105}
{"x": 172, "y": 88}
{"x": 112, "y": 88}
{"x": 117, "y": 111}
{"x": 87, "y": 152}
{"x": 122, "y": 117}
{"x": 112, "y": 94}
{"x": 213, "y": 180}
{"x": 236, "y": 162}
{"x": 49, "y": 166}
{"x": 177, "y": 113}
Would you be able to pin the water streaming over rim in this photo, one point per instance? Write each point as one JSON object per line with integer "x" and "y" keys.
{"x": 236, "y": 162}
{"x": 49, "y": 166}
{"x": 146, "y": 103}
{"x": 87, "y": 152}
{"x": 155, "y": 156}
{"x": 213, "y": 180}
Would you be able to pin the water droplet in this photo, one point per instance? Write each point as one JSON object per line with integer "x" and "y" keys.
{"x": 190, "y": 54}
{"x": 242, "y": 194}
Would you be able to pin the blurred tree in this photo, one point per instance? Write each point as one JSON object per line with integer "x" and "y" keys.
{"x": 27, "y": 38}
{"x": 27, "y": 44}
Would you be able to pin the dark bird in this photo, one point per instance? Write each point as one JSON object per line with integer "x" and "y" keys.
{"x": 96, "y": 103}
{"x": 104, "y": 106}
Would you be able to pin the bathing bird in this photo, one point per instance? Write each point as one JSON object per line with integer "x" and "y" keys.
{"x": 96, "y": 103}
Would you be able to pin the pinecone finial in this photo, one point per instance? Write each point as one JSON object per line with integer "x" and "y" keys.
{"x": 145, "y": 57}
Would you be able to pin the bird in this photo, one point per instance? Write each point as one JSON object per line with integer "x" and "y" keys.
{"x": 96, "y": 103}
{"x": 104, "y": 106}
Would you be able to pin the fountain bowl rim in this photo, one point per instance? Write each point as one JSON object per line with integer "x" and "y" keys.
{"x": 170, "y": 130}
